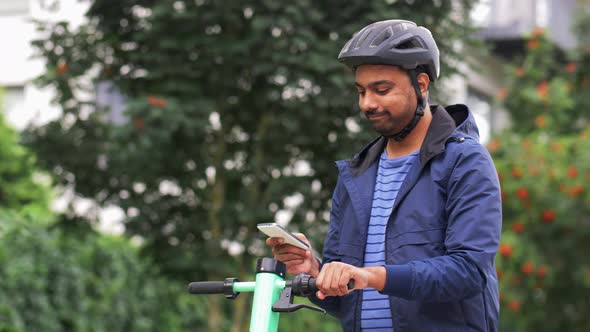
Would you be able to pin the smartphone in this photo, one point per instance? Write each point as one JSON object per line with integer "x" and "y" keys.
{"x": 274, "y": 230}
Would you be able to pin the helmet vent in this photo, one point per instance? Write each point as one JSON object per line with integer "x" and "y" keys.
{"x": 409, "y": 44}
{"x": 346, "y": 47}
{"x": 364, "y": 34}
{"x": 383, "y": 36}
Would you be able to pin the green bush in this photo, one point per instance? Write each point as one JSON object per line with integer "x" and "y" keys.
{"x": 22, "y": 187}
{"x": 541, "y": 263}
{"x": 62, "y": 281}
{"x": 62, "y": 276}
{"x": 544, "y": 167}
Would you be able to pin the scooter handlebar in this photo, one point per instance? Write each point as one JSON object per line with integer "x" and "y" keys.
{"x": 206, "y": 287}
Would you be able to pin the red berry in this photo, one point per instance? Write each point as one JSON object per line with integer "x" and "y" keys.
{"x": 543, "y": 89}
{"x": 505, "y": 249}
{"x": 62, "y": 68}
{"x": 516, "y": 172}
{"x": 570, "y": 67}
{"x": 514, "y": 305}
{"x": 518, "y": 227}
{"x": 572, "y": 172}
{"x": 548, "y": 216}
{"x": 527, "y": 268}
{"x": 522, "y": 193}
{"x": 156, "y": 102}
{"x": 576, "y": 190}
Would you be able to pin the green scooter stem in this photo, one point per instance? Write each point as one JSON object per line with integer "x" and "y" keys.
{"x": 266, "y": 293}
{"x": 269, "y": 285}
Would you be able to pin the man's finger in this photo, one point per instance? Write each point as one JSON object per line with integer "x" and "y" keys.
{"x": 301, "y": 236}
{"x": 274, "y": 241}
{"x": 288, "y": 256}
{"x": 322, "y": 281}
{"x": 287, "y": 248}
{"x": 343, "y": 282}
{"x": 328, "y": 284}
{"x": 293, "y": 262}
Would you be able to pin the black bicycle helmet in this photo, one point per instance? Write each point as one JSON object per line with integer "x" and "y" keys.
{"x": 400, "y": 43}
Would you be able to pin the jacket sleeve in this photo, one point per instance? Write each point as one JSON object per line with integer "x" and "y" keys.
{"x": 330, "y": 253}
{"x": 474, "y": 211}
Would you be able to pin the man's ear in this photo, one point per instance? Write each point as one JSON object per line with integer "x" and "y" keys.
{"x": 423, "y": 83}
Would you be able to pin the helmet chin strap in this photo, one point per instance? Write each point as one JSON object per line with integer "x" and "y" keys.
{"x": 419, "y": 109}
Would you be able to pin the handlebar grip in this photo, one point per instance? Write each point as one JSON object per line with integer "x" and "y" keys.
{"x": 206, "y": 287}
{"x": 350, "y": 284}
{"x": 314, "y": 288}
{"x": 312, "y": 285}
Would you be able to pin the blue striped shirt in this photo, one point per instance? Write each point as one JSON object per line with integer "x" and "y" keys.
{"x": 375, "y": 309}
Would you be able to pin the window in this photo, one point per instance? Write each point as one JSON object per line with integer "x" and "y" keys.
{"x": 108, "y": 96}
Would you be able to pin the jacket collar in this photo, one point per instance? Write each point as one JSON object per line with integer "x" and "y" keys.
{"x": 444, "y": 121}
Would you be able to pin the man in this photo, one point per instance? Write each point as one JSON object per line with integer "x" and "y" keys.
{"x": 416, "y": 215}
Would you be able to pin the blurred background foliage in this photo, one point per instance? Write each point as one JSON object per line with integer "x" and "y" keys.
{"x": 54, "y": 280}
{"x": 544, "y": 167}
{"x": 57, "y": 278}
{"x": 232, "y": 114}
{"x": 23, "y": 189}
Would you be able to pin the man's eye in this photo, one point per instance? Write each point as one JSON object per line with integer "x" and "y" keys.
{"x": 383, "y": 91}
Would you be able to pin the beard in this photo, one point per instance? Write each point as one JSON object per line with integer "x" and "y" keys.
{"x": 386, "y": 124}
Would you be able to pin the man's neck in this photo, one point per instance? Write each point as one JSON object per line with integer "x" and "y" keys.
{"x": 413, "y": 141}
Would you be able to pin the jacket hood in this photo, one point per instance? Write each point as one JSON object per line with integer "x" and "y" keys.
{"x": 453, "y": 122}
{"x": 464, "y": 121}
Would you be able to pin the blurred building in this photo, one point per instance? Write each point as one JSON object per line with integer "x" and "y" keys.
{"x": 22, "y": 101}
{"x": 504, "y": 26}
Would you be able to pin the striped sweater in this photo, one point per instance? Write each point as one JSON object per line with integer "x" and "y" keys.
{"x": 376, "y": 311}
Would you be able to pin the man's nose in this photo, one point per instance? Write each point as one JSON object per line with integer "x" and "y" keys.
{"x": 367, "y": 103}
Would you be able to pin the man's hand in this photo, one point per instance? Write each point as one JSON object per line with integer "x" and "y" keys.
{"x": 296, "y": 259}
{"x": 334, "y": 277}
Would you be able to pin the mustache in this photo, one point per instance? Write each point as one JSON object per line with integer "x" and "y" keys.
{"x": 371, "y": 113}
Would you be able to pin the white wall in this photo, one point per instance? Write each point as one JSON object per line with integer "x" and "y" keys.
{"x": 22, "y": 100}
{"x": 477, "y": 87}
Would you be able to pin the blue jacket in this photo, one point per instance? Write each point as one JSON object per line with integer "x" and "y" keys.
{"x": 442, "y": 235}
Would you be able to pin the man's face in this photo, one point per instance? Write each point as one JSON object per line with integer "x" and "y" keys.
{"x": 386, "y": 97}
